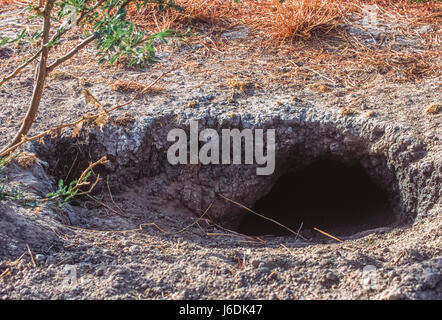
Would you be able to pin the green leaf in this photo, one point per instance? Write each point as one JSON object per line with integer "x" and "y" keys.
{"x": 113, "y": 58}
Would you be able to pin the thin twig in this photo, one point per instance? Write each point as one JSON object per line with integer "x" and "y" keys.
{"x": 143, "y": 91}
{"x": 140, "y": 228}
{"x": 399, "y": 258}
{"x": 328, "y": 235}
{"x": 4, "y": 273}
{"x": 262, "y": 216}
{"x": 102, "y": 160}
{"x": 299, "y": 230}
{"x": 71, "y": 53}
{"x": 196, "y": 221}
{"x": 112, "y": 198}
{"x": 72, "y": 166}
{"x": 85, "y": 183}
{"x": 20, "y": 68}
{"x": 32, "y": 258}
{"x": 19, "y": 258}
{"x": 106, "y": 206}
{"x": 251, "y": 238}
{"x": 288, "y": 249}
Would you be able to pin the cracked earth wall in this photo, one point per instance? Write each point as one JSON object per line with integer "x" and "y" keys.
{"x": 395, "y": 157}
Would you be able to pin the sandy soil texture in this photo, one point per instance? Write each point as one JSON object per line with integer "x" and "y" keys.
{"x": 151, "y": 230}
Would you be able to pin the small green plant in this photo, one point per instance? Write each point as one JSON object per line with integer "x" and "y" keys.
{"x": 10, "y": 194}
{"x": 65, "y": 193}
{"x": 16, "y": 194}
{"x": 2, "y": 163}
{"x": 62, "y": 195}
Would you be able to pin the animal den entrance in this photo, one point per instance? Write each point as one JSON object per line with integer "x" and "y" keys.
{"x": 329, "y": 195}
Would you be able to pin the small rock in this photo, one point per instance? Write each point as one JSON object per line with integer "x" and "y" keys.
{"x": 40, "y": 258}
{"x": 335, "y": 147}
{"x": 396, "y": 296}
{"x": 134, "y": 249}
{"x": 392, "y": 294}
{"x": 237, "y": 33}
{"x": 51, "y": 261}
{"x": 419, "y": 287}
{"x": 263, "y": 270}
{"x": 426, "y": 167}
{"x": 330, "y": 276}
{"x": 117, "y": 284}
{"x": 256, "y": 263}
{"x": 100, "y": 271}
{"x": 432, "y": 279}
{"x": 24, "y": 292}
{"x": 408, "y": 278}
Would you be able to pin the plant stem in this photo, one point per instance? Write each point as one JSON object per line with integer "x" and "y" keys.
{"x": 39, "y": 81}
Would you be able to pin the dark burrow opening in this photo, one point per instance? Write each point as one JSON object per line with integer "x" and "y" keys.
{"x": 334, "y": 197}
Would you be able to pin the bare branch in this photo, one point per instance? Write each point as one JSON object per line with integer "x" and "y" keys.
{"x": 54, "y": 38}
{"x": 20, "y": 68}
{"x": 70, "y": 54}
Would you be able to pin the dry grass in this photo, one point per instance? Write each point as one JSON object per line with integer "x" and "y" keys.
{"x": 26, "y": 159}
{"x": 291, "y": 19}
{"x": 297, "y": 18}
{"x": 300, "y": 35}
{"x": 345, "y": 111}
{"x": 287, "y": 20}
{"x": 239, "y": 85}
{"x": 434, "y": 108}
{"x": 133, "y": 86}
{"x": 3, "y": 2}
{"x": 214, "y": 12}
{"x": 305, "y": 33}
